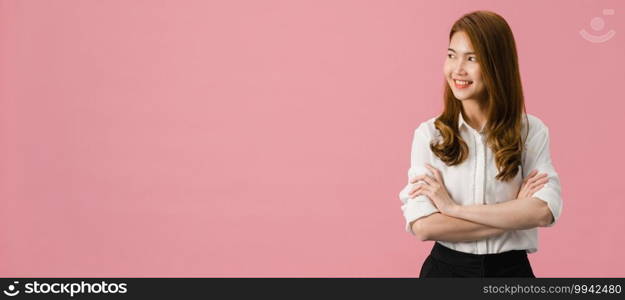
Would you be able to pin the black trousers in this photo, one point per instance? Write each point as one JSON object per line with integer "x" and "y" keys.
{"x": 445, "y": 262}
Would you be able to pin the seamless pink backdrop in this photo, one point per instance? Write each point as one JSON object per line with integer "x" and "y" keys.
{"x": 271, "y": 138}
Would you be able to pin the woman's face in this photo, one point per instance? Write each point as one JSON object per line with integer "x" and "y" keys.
{"x": 461, "y": 68}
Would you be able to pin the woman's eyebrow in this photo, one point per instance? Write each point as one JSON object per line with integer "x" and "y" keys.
{"x": 454, "y": 51}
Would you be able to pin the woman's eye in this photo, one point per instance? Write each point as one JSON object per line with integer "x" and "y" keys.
{"x": 450, "y": 55}
{"x": 472, "y": 58}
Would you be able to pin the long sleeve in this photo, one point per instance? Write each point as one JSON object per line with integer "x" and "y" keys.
{"x": 419, "y": 206}
{"x": 537, "y": 156}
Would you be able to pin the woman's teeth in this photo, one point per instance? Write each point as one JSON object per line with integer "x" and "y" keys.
{"x": 462, "y": 83}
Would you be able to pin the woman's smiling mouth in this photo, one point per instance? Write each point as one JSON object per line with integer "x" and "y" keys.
{"x": 461, "y": 84}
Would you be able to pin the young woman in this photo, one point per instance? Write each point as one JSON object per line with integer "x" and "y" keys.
{"x": 481, "y": 179}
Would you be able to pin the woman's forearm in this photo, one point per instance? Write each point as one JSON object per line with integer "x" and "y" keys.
{"x": 440, "y": 227}
{"x": 511, "y": 215}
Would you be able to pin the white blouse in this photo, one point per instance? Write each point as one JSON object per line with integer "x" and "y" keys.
{"x": 473, "y": 182}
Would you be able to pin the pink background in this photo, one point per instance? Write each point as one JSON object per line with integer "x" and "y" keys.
{"x": 271, "y": 138}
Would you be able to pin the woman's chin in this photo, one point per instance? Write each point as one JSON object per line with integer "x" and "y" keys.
{"x": 463, "y": 96}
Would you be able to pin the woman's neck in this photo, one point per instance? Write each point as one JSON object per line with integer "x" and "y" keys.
{"x": 474, "y": 114}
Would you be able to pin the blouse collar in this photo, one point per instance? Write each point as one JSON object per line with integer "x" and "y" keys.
{"x": 461, "y": 123}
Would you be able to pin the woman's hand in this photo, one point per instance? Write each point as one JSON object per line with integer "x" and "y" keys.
{"x": 434, "y": 188}
{"x": 532, "y": 184}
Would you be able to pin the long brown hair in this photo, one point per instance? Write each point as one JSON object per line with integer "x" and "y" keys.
{"x": 495, "y": 48}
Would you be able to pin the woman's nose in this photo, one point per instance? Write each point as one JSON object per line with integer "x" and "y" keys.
{"x": 459, "y": 68}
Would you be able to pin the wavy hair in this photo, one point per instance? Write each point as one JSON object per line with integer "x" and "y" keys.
{"x": 495, "y": 48}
